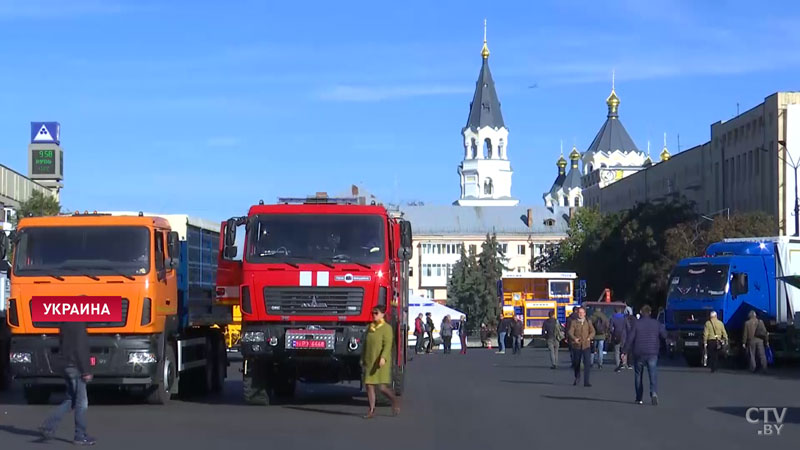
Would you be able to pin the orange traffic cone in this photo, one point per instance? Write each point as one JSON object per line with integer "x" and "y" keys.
{"x": 490, "y": 345}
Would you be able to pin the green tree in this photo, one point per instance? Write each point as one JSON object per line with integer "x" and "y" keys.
{"x": 464, "y": 288}
{"x": 38, "y": 204}
{"x": 490, "y": 266}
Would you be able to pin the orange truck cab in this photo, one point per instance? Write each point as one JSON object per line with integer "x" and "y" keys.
{"x": 156, "y": 273}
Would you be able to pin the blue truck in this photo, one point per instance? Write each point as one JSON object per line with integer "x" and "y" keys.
{"x": 734, "y": 277}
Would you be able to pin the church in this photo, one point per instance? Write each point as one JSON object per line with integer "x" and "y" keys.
{"x": 610, "y": 157}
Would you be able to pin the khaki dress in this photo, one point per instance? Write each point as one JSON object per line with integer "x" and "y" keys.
{"x": 378, "y": 344}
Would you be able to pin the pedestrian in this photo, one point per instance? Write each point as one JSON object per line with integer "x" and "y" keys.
{"x": 419, "y": 333}
{"x": 446, "y": 332}
{"x": 503, "y": 328}
{"x": 376, "y": 360}
{"x": 600, "y": 322}
{"x": 714, "y": 339}
{"x": 643, "y": 344}
{"x": 581, "y": 332}
{"x": 617, "y": 332}
{"x": 573, "y": 315}
{"x": 462, "y": 333}
{"x": 551, "y": 331}
{"x": 517, "y": 332}
{"x": 484, "y": 335}
{"x": 74, "y": 364}
{"x": 630, "y": 321}
{"x": 429, "y": 326}
{"x": 754, "y": 339}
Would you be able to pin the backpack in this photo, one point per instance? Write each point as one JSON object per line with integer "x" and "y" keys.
{"x": 600, "y": 326}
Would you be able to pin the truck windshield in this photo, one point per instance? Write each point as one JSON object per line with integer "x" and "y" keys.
{"x": 698, "y": 281}
{"x": 324, "y": 238}
{"x": 79, "y": 251}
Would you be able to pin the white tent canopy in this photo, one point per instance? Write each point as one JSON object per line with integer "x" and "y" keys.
{"x": 421, "y": 305}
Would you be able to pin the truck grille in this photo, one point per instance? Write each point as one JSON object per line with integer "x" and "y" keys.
{"x": 691, "y": 317}
{"x": 93, "y": 324}
{"x": 313, "y": 301}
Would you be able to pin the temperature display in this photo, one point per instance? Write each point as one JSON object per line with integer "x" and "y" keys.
{"x": 43, "y": 162}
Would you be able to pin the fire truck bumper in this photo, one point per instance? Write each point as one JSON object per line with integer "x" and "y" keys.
{"x": 270, "y": 340}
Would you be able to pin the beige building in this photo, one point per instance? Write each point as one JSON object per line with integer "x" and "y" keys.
{"x": 441, "y": 231}
{"x": 747, "y": 165}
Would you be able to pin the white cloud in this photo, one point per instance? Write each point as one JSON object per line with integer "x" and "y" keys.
{"x": 346, "y": 93}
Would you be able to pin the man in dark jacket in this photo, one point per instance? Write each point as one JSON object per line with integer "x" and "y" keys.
{"x": 551, "y": 332}
{"x": 600, "y": 322}
{"x": 570, "y": 318}
{"x": 643, "y": 344}
{"x": 429, "y": 326}
{"x": 754, "y": 338}
{"x": 617, "y": 331}
{"x": 503, "y": 330}
{"x": 517, "y": 331}
{"x": 74, "y": 358}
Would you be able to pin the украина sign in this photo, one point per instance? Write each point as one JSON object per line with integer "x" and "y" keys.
{"x": 76, "y": 309}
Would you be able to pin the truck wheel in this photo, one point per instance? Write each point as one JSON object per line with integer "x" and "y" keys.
{"x": 161, "y": 393}
{"x": 285, "y": 388}
{"x": 220, "y": 365}
{"x": 693, "y": 359}
{"x": 254, "y": 391}
{"x": 398, "y": 383}
{"x": 37, "y": 395}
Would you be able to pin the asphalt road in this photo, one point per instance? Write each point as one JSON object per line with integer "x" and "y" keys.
{"x": 477, "y": 401}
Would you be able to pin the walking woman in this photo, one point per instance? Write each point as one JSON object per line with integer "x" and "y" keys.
{"x": 446, "y": 330}
{"x": 462, "y": 334}
{"x": 376, "y": 360}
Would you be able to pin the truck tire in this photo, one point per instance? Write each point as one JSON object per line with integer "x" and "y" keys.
{"x": 220, "y": 365}
{"x": 36, "y": 395}
{"x": 161, "y": 392}
{"x": 254, "y": 391}
{"x": 693, "y": 359}
{"x": 398, "y": 382}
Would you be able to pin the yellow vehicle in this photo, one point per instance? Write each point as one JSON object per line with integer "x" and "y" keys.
{"x": 534, "y": 294}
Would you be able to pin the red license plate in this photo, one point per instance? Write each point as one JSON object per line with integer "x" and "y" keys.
{"x": 307, "y": 343}
{"x": 92, "y": 361}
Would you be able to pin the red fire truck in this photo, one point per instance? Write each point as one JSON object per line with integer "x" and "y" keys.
{"x": 309, "y": 274}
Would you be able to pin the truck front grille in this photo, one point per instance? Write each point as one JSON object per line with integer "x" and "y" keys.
{"x": 93, "y": 324}
{"x": 313, "y": 301}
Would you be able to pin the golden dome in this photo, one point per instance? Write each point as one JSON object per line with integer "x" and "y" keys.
{"x": 561, "y": 163}
{"x": 664, "y": 154}
{"x": 574, "y": 154}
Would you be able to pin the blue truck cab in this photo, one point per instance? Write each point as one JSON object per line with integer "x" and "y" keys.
{"x": 734, "y": 277}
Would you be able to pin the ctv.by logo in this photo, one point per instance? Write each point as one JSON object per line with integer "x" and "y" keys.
{"x": 763, "y": 416}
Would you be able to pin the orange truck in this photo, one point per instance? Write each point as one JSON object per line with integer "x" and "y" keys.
{"x": 156, "y": 278}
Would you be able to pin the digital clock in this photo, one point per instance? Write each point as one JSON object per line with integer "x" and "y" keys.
{"x": 43, "y": 162}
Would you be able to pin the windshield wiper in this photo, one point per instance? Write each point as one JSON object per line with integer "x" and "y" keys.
{"x": 36, "y": 270}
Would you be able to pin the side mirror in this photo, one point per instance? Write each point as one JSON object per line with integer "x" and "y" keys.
{"x": 230, "y": 233}
{"x": 406, "y": 240}
{"x": 3, "y": 244}
{"x": 231, "y": 251}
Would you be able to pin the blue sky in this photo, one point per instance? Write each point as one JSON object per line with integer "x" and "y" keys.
{"x": 206, "y": 107}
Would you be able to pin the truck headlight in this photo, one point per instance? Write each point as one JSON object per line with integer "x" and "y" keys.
{"x": 253, "y": 336}
{"x": 20, "y": 357}
{"x": 141, "y": 358}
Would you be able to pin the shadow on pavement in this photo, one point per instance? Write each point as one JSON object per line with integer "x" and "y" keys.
{"x": 525, "y": 382}
{"x": 588, "y": 399}
{"x": 792, "y": 413}
{"x": 32, "y": 433}
{"x": 323, "y": 411}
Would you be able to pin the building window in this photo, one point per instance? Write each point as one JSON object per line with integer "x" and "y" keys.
{"x": 504, "y": 248}
{"x": 576, "y": 202}
{"x": 427, "y": 269}
{"x": 429, "y": 293}
{"x": 472, "y": 248}
{"x": 411, "y": 271}
{"x": 438, "y": 270}
{"x": 521, "y": 249}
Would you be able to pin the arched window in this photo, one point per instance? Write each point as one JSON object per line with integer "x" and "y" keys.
{"x": 501, "y": 149}
{"x": 488, "y": 186}
{"x": 487, "y": 148}
{"x": 565, "y": 201}
{"x": 474, "y": 149}
{"x": 576, "y": 202}
{"x": 589, "y": 168}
